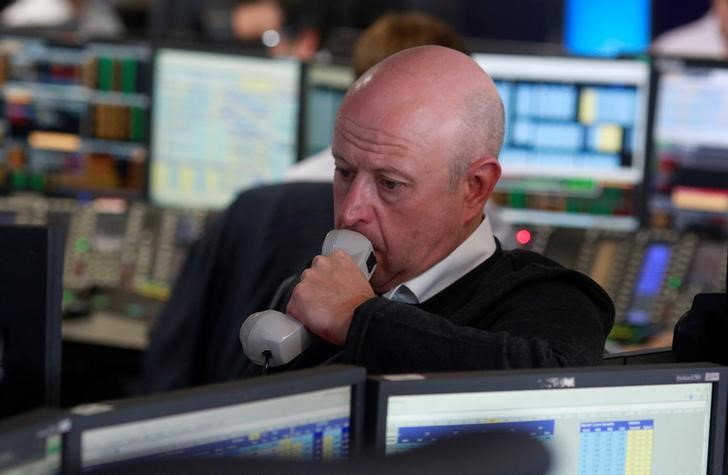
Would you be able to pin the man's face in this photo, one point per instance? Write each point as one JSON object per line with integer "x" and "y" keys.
{"x": 391, "y": 185}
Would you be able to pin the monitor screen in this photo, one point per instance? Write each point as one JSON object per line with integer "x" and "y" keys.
{"x": 607, "y": 27}
{"x": 221, "y": 123}
{"x": 307, "y": 415}
{"x": 326, "y": 86}
{"x": 574, "y": 149}
{"x": 690, "y": 179}
{"x": 638, "y": 419}
{"x": 31, "y": 443}
{"x": 75, "y": 117}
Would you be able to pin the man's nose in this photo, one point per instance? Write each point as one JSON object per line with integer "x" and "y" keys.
{"x": 356, "y": 206}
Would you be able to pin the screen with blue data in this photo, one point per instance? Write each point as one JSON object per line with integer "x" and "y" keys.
{"x": 574, "y": 149}
{"x": 308, "y": 426}
{"x": 221, "y": 123}
{"x": 652, "y": 274}
{"x": 690, "y": 137}
{"x": 607, "y": 27}
{"x": 662, "y": 428}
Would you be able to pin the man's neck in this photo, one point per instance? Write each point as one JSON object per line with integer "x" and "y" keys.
{"x": 474, "y": 250}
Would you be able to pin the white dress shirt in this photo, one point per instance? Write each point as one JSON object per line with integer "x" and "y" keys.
{"x": 478, "y": 247}
{"x": 316, "y": 168}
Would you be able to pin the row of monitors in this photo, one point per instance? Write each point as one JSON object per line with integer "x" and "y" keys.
{"x": 610, "y": 144}
{"x": 667, "y": 419}
{"x": 589, "y": 142}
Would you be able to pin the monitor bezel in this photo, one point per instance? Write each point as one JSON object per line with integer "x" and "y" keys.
{"x": 213, "y": 396}
{"x": 380, "y": 388}
{"x": 30, "y": 426}
{"x": 687, "y": 62}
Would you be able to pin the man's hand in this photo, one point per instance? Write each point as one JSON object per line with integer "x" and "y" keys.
{"x": 327, "y": 295}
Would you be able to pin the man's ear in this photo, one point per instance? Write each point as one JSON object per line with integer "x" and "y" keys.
{"x": 480, "y": 179}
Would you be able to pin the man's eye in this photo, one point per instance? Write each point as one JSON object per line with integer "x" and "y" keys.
{"x": 390, "y": 185}
{"x": 344, "y": 173}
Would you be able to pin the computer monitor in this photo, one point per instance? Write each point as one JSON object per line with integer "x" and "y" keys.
{"x": 690, "y": 144}
{"x": 325, "y": 87}
{"x": 574, "y": 149}
{"x": 310, "y": 414}
{"x": 76, "y": 116}
{"x": 666, "y": 419}
{"x": 607, "y": 27}
{"x": 222, "y": 121}
{"x": 31, "y": 443}
{"x": 31, "y": 275}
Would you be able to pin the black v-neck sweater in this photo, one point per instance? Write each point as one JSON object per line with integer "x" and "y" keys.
{"x": 517, "y": 309}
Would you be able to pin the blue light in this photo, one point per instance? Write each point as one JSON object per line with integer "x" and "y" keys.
{"x": 607, "y": 27}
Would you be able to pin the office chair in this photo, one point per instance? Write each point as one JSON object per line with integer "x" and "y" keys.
{"x": 266, "y": 235}
{"x": 701, "y": 334}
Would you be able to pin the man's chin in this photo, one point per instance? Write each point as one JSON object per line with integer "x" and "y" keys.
{"x": 382, "y": 283}
{"x": 379, "y": 283}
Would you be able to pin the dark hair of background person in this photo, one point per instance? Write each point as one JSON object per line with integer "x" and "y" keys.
{"x": 394, "y": 32}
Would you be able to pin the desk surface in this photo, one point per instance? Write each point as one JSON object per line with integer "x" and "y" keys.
{"x": 108, "y": 329}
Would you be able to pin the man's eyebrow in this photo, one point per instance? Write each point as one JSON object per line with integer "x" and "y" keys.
{"x": 339, "y": 159}
{"x": 386, "y": 169}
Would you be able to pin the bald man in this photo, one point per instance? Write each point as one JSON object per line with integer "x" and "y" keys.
{"x": 416, "y": 144}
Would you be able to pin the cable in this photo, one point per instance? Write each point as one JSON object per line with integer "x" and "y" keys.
{"x": 267, "y": 354}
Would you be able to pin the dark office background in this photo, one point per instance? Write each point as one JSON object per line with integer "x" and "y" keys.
{"x": 516, "y": 20}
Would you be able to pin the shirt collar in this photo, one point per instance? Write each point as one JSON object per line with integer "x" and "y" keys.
{"x": 478, "y": 247}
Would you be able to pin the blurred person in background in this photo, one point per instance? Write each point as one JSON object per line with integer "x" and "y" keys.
{"x": 211, "y": 18}
{"x": 88, "y": 17}
{"x": 285, "y": 27}
{"x": 706, "y": 37}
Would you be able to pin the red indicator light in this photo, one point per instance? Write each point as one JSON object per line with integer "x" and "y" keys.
{"x": 523, "y": 237}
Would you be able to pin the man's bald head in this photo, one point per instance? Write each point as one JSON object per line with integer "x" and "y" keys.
{"x": 433, "y": 91}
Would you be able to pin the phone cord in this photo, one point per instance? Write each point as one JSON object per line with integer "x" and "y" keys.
{"x": 267, "y": 354}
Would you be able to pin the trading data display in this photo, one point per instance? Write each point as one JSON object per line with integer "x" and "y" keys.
{"x": 574, "y": 148}
{"x": 589, "y": 431}
{"x": 690, "y": 136}
{"x": 221, "y": 123}
{"x": 308, "y": 426}
{"x": 75, "y": 117}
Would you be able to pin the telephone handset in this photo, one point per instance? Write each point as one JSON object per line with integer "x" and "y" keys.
{"x": 272, "y": 338}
